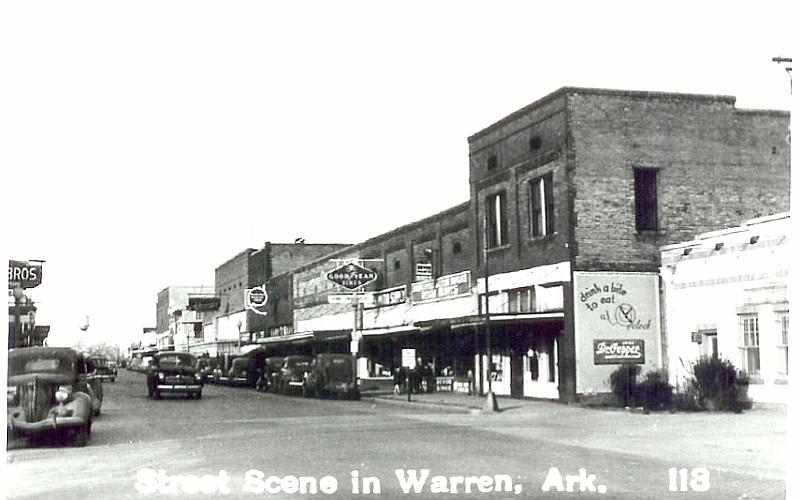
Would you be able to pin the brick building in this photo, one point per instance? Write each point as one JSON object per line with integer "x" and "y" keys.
{"x": 571, "y": 199}
{"x": 594, "y": 182}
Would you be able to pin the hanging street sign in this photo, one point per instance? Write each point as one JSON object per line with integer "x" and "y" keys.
{"x": 352, "y": 276}
{"x": 24, "y": 274}
{"x": 424, "y": 270}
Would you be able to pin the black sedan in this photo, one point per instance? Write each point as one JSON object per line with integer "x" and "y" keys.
{"x": 174, "y": 373}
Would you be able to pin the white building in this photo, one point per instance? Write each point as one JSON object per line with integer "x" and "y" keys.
{"x": 726, "y": 295}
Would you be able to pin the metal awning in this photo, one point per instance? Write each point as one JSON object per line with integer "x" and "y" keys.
{"x": 374, "y": 332}
{"x": 292, "y": 337}
{"x": 477, "y": 320}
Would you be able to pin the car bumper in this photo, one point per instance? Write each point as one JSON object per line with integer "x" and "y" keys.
{"x": 72, "y": 414}
{"x": 53, "y": 422}
{"x": 179, "y": 387}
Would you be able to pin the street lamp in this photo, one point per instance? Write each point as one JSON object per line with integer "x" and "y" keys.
{"x": 239, "y": 336}
{"x": 491, "y": 401}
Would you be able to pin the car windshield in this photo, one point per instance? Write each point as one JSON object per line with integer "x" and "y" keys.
{"x": 100, "y": 362}
{"x": 302, "y": 365}
{"x": 39, "y": 364}
{"x": 175, "y": 360}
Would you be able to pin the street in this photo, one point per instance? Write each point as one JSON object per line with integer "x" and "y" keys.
{"x": 232, "y": 441}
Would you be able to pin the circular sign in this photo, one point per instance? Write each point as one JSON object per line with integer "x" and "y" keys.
{"x": 256, "y": 297}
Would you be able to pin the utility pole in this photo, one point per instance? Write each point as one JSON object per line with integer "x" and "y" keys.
{"x": 787, "y": 60}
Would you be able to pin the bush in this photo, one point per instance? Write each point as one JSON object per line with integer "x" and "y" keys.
{"x": 717, "y": 387}
{"x": 655, "y": 392}
{"x": 686, "y": 398}
{"x": 623, "y": 384}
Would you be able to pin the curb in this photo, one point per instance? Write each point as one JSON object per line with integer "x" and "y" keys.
{"x": 423, "y": 404}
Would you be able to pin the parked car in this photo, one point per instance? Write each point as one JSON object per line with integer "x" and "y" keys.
{"x": 293, "y": 372}
{"x": 174, "y": 373}
{"x": 270, "y": 366}
{"x": 206, "y": 366}
{"x": 103, "y": 369}
{"x": 332, "y": 374}
{"x": 51, "y": 389}
{"x": 241, "y": 372}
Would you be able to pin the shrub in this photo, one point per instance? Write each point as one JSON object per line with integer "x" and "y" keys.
{"x": 686, "y": 398}
{"x": 655, "y": 392}
{"x": 623, "y": 383}
{"x": 716, "y": 383}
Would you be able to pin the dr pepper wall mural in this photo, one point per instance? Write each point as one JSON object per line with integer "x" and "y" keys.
{"x": 617, "y": 321}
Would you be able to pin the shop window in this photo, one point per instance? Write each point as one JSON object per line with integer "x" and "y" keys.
{"x": 540, "y": 210}
{"x": 749, "y": 344}
{"x": 645, "y": 197}
{"x": 783, "y": 344}
{"x": 496, "y": 224}
{"x": 522, "y": 300}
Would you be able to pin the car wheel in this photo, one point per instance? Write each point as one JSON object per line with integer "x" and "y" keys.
{"x": 79, "y": 436}
{"x": 199, "y": 395}
{"x": 113, "y": 379}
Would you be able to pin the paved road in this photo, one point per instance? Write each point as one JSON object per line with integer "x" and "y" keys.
{"x": 214, "y": 442}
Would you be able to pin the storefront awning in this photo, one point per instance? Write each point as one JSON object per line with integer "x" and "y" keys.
{"x": 374, "y": 332}
{"x": 325, "y": 335}
{"x": 294, "y": 337}
{"x": 477, "y": 320}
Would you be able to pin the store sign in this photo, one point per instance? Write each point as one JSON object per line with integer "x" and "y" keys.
{"x": 24, "y": 274}
{"x": 409, "y": 358}
{"x": 352, "y": 276}
{"x": 424, "y": 270}
{"x": 446, "y": 287}
{"x": 390, "y": 297}
{"x": 619, "y": 351}
{"x": 256, "y": 298}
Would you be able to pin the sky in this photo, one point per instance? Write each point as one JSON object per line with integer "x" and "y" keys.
{"x": 145, "y": 143}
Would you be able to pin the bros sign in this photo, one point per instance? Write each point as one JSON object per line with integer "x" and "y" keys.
{"x": 352, "y": 276}
{"x": 24, "y": 274}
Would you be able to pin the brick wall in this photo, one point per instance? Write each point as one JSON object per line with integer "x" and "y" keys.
{"x": 527, "y": 144}
{"x": 230, "y": 281}
{"x": 716, "y": 166}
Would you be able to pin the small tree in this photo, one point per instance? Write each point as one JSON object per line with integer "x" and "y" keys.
{"x": 716, "y": 383}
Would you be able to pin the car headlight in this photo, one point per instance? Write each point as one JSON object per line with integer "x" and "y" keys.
{"x": 63, "y": 393}
{"x": 11, "y": 393}
{"x": 160, "y": 376}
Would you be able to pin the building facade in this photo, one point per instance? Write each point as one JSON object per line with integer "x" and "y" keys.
{"x": 548, "y": 277}
{"x": 594, "y": 182}
{"x": 726, "y": 296}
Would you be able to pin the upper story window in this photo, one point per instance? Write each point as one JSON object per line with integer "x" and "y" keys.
{"x": 456, "y": 247}
{"x": 645, "y": 185}
{"x": 535, "y": 143}
{"x": 496, "y": 224}
{"x": 396, "y": 264}
{"x": 541, "y": 211}
{"x": 491, "y": 162}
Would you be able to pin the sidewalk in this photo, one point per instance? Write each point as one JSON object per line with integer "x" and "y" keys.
{"x": 445, "y": 400}
{"x": 752, "y": 442}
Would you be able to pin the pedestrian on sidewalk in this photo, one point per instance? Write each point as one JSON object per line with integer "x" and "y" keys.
{"x": 398, "y": 381}
{"x": 470, "y": 382}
